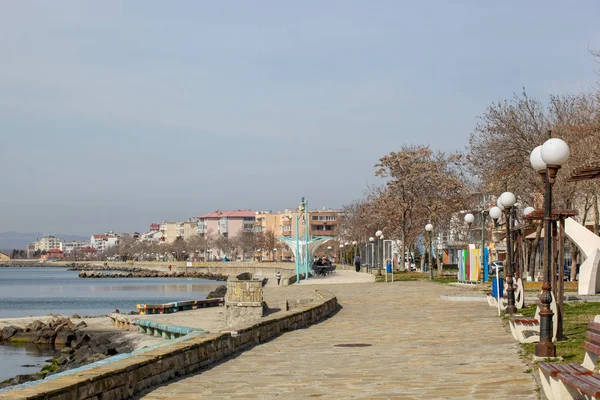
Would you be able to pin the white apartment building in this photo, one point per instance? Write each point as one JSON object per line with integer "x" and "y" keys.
{"x": 102, "y": 242}
{"x": 48, "y": 242}
{"x": 69, "y": 247}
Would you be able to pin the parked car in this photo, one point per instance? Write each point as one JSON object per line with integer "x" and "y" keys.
{"x": 496, "y": 265}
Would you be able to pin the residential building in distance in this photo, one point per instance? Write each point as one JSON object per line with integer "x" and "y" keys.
{"x": 88, "y": 253}
{"x": 227, "y": 223}
{"x": 102, "y": 242}
{"x": 53, "y": 254}
{"x": 171, "y": 231}
{"x": 324, "y": 222}
{"x": 70, "y": 247}
{"x": 48, "y": 243}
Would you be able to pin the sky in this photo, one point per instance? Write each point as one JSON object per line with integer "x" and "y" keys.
{"x": 116, "y": 114}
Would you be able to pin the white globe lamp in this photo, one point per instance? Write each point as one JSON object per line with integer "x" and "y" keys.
{"x": 495, "y": 213}
{"x": 507, "y": 199}
{"x": 555, "y": 152}
{"x": 429, "y": 228}
{"x": 536, "y": 160}
{"x": 469, "y": 218}
{"x": 499, "y": 204}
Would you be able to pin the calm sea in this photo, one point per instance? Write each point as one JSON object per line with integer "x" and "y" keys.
{"x": 45, "y": 290}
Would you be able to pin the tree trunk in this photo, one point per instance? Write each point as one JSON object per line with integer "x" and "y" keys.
{"x": 437, "y": 252}
{"x": 533, "y": 251}
{"x": 402, "y": 256}
{"x": 596, "y": 215}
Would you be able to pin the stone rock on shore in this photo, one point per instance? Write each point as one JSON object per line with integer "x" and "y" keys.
{"x": 218, "y": 292}
{"x": 81, "y": 347}
{"x": 56, "y": 331}
{"x": 153, "y": 274}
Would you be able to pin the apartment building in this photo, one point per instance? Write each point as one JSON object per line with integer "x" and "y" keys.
{"x": 48, "y": 243}
{"x": 102, "y": 242}
{"x": 283, "y": 223}
{"x": 226, "y": 223}
{"x": 323, "y": 222}
{"x": 69, "y": 247}
{"x": 171, "y": 231}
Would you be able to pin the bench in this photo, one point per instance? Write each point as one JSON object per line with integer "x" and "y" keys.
{"x": 527, "y": 329}
{"x": 164, "y": 330}
{"x": 168, "y": 308}
{"x": 572, "y": 380}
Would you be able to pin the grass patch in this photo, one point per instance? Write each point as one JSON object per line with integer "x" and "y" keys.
{"x": 50, "y": 368}
{"x": 577, "y": 316}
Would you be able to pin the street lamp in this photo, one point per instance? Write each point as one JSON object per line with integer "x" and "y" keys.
{"x": 275, "y": 255}
{"x": 371, "y": 240}
{"x": 508, "y": 200}
{"x": 469, "y": 219}
{"x": 495, "y": 213}
{"x": 547, "y": 160}
{"x": 341, "y": 249}
{"x": 379, "y": 234}
{"x": 429, "y": 229}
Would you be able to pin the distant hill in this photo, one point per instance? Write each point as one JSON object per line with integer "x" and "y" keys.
{"x": 19, "y": 240}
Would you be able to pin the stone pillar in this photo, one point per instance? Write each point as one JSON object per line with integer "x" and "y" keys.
{"x": 243, "y": 301}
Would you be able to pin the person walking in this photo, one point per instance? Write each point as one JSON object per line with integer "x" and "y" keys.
{"x": 278, "y": 275}
{"x": 357, "y": 263}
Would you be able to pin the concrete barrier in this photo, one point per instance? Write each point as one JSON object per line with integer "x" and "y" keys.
{"x": 124, "y": 376}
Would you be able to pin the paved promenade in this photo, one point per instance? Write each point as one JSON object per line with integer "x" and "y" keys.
{"x": 419, "y": 347}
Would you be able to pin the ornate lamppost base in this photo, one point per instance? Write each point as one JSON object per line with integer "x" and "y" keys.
{"x": 546, "y": 350}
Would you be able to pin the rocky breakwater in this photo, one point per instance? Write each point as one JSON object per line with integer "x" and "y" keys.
{"x": 153, "y": 274}
{"x": 79, "y": 347}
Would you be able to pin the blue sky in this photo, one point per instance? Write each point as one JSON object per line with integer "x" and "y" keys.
{"x": 117, "y": 114}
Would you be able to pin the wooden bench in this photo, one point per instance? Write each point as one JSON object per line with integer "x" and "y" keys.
{"x": 527, "y": 329}
{"x": 572, "y": 380}
{"x": 168, "y": 308}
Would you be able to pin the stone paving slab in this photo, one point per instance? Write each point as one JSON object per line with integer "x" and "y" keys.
{"x": 420, "y": 347}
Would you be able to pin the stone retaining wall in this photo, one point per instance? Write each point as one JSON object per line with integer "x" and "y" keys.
{"x": 124, "y": 376}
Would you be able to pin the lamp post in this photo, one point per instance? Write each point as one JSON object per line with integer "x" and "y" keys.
{"x": 429, "y": 229}
{"x": 371, "y": 240}
{"x": 346, "y": 246}
{"x": 484, "y": 215}
{"x": 547, "y": 160}
{"x": 378, "y": 234}
{"x": 328, "y": 251}
{"x": 354, "y": 243}
{"x": 341, "y": 249}
{"x": 275, "y": 255}
{"x": 469, "y": 219}
{"x": 508, "y": 200}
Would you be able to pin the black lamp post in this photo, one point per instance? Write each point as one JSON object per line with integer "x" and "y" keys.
{"x": 508, "y": 200}
{"x": 429, "y": 229}
{"x": 547, "y": 160}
